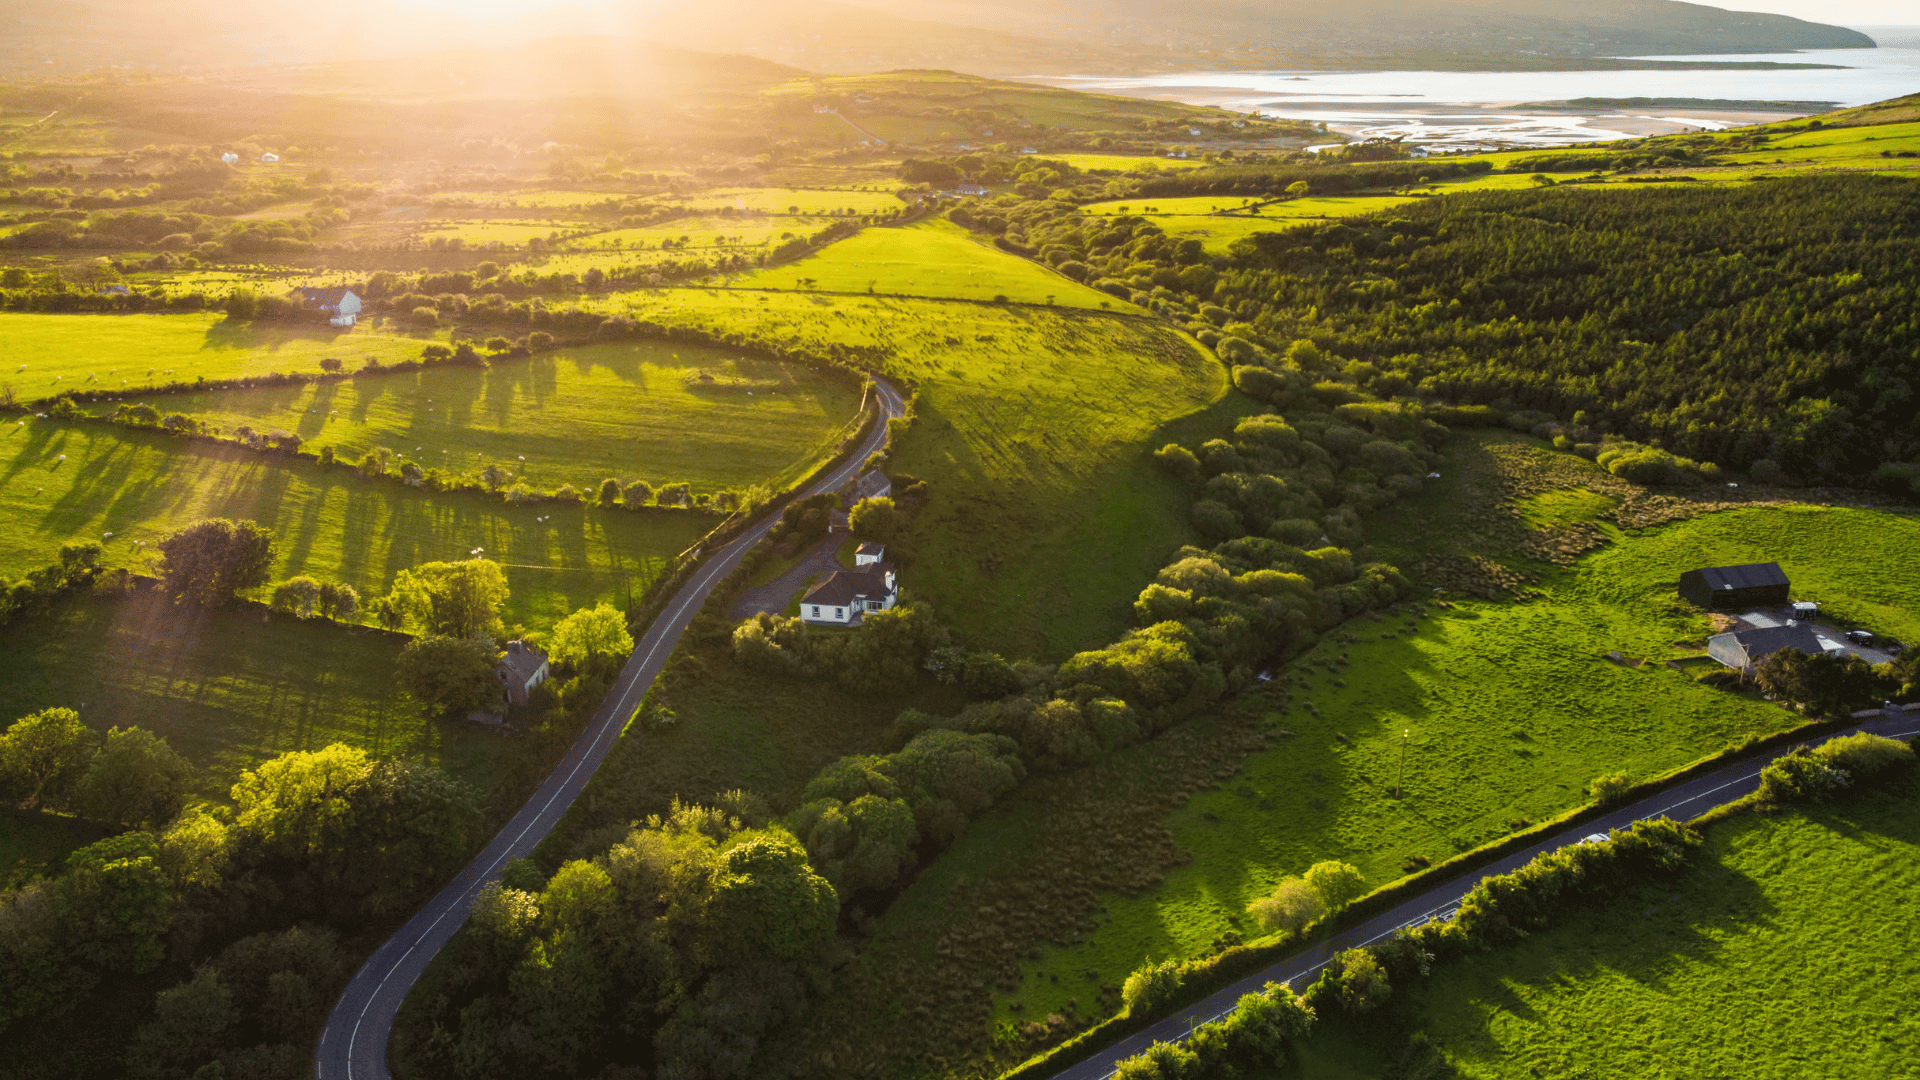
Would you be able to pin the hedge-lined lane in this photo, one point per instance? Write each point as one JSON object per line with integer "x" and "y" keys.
{"x": 354, "y": 1044}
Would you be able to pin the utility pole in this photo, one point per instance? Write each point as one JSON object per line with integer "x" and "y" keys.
{"x": 1399, "y": 788}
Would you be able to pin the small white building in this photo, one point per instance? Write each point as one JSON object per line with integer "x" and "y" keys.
{"x": 230, "y": 158}
{"x": 1195, "y": 132}
{"x": 269, "y": 157}
{"x": 970, "y": 189}
{"x": 523, "y": 668}
{"x": 848, "y": 595}
{"x": 868, "y": 553}
{"x": 340, "y": 303}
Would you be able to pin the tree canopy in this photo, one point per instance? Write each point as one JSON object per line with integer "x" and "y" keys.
{"x": 209, "y": 561}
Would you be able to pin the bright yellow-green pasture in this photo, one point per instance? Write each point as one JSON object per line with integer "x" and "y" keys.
{"x": 810, "y": 201}
{"x": 533, "y": 199}
{"x": 47, "y": 354}
{"x": 934, "y": 259}
{"x": 1198, "y": 216}
{"x": 702, "y": 232}
{"x": 60, "y": 482}
{"x": 513, "y": 233}
{"x": 631, "y": 411}
{"x": 1125, "y": 162}
{"x": 1034, "y": 429}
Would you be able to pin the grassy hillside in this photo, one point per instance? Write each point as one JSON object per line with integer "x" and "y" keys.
{"x": 576, "y": 416}
{"x": 1033, "y": 430}
{"x": 151, "y": 350}
{"x": 1751, "y": 964}
{"x": 935, "y": 259}
{"x": 59, "y": 482}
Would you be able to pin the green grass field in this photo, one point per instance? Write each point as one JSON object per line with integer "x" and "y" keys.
{"x": 932, "y": 259}
{"x": 1033, "y": 432}
{"x": 1506, "y": 710}
{"x": 106, "y": 352}
{"x": 812, "y": 202}
{"x": 64, "y": 481}
{"x": 576, "y": 417}
{"x": 224, "y": 689}
{"x": 35, "y": 844}
{"x": 510, "y": 233}
{"x": 1141, "y": 163}
{"x": 1785, "y": 951}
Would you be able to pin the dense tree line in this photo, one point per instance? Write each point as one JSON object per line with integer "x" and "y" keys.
{"x": 1773, "y": 322}
{"x": 326, "y": 837}
{"x": 1770, "y": 327}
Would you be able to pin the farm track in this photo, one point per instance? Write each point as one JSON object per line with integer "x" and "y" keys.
{"x": 1682, "y": 802}
{"x": 353, "y": 1045}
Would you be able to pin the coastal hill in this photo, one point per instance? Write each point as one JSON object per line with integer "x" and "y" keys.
{"x": 985, "y": 37}
{"x": 1097, "y": 36}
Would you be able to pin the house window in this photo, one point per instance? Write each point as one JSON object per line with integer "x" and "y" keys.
{"x": 816, "y": 611}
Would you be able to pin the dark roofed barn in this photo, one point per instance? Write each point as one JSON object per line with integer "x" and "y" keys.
{"x": 1752, "y": 585}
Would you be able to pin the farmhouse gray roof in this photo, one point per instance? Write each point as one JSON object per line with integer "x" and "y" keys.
{"x": 522, "y": 660}
{"x": 843, "y": 587}
{"x": 870, "y": 548}
{"x": 327, "y": 295}
{"x": 1749, "y": 576}
{"x": 1764, "y": 642}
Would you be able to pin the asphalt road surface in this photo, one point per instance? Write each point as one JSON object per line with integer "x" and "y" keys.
{"x": 1682, "y": 803}
{"x": 354, "y": 1044}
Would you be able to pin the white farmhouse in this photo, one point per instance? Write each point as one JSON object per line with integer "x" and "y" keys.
{"x": 523, "y": 668}
{"x": 269, "y": 157}
{"x": 340, "y": 303}
{"x": 848, "y": 595}
{"x": 230, "y": 158}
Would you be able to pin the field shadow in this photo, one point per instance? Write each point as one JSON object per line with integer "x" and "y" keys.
{"x": 268, "y": 336}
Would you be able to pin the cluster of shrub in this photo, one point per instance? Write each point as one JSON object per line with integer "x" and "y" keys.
{"x": 1832, "y": 686}
{"x": 692, "y": 936}
{"x": 324, "y": 839}
{"x": 1499, "y": 910}
{"x": 78, "y": 566}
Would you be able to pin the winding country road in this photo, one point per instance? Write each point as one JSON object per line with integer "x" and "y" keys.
{"x": 1682, "y": 802}
{"x": 354, "y": 1044}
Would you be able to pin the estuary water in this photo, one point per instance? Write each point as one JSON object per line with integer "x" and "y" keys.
{"x": 1472, "y": 109}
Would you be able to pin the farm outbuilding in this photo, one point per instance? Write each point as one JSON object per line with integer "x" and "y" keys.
{"x": 522, "y": 668}
{"x": 1752, "y": 585}
{"x": 1743, "y": 650}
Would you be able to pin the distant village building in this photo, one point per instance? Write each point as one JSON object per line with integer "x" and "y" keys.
{"x": 115, "y": 290}
{"x": 230, "y": 158}
{"x": 1751, "y": 585}
{"x": 849, "y": 595}
{"x": 523, "y": 668}
{"x": 269, "y": 157}
{"x": 970, "y": 189}
{"x": 339, "y": 302}
{"x": 1195, "y": 132}
{"x": 1028, "y": 150}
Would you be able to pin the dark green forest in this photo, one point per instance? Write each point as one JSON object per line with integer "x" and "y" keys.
{"x": 1774, "y": 322}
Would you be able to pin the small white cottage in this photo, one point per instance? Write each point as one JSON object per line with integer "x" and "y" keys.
{"x": 340, "y": 304}
{"x": 848, "y": 595}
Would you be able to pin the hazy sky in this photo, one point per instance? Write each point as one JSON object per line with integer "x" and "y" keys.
{"x": 1834, "y": 12}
